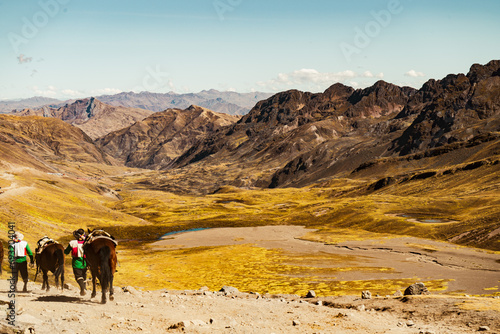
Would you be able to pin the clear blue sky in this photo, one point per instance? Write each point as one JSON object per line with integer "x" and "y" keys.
{"x": 73, "y": 48}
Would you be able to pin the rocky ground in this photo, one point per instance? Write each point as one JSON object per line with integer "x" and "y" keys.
{"x": 231, "y": 311}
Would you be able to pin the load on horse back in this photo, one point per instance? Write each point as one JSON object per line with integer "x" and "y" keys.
{"x": 99, "y": 249}
{"x": 49, "y": 256}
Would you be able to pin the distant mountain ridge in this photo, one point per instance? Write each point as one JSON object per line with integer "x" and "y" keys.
{"x": 33, "y": 102}
{"x": 227, "y": 102}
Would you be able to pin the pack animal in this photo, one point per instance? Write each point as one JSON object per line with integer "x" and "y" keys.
{"x": 50, "y": 258}
{"x": 99, "y": 249}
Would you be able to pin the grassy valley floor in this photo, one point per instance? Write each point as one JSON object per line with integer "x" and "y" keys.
{"x": 339, "y": 237}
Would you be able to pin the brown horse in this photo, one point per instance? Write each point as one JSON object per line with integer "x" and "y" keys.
{"x": 51, "y": 259}
{"x": 99, "y": 249}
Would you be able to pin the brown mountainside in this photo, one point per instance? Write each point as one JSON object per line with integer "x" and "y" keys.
{"x": 291, "y": 123}
{"x": 35, "y": 141}
{"x": 158, "y": 139}
{"x": 296, "y": 138}
{"x": 455, "y": 109}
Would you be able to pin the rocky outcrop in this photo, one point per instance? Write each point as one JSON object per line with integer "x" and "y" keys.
{"x": 454, "y": 109}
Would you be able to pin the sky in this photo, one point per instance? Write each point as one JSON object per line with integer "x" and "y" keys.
{"x": 73, "y": 48}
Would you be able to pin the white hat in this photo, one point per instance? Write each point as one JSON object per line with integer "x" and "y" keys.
{"x": 19, "y": 236}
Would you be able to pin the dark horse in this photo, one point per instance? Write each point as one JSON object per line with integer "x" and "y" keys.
{"x": 99, "y": 249}
{"x": 51, "y": 258}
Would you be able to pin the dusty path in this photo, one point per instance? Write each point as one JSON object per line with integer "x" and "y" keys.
{"x": 471, "y": 270}
{"x": 217, "y": 312}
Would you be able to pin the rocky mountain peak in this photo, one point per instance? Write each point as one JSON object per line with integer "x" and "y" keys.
{"x": 480, "y": 72}
{"x": 338, "y": 90}
{"x": 381, "y": 99}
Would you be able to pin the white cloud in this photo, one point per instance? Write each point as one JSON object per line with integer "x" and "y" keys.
{"x": 54, "y": 92}
{"x": 23, "y": 59}
{"x": 414, "y": 74}
{"x": 51, "y": 91}
{"x": 311, "y": 79}
{"x": 71, "y": 93}
{"x": 106, "y": 91}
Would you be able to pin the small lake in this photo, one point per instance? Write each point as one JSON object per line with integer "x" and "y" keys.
{"x": 417, "y": 219}
{"x": 183, "y": 231}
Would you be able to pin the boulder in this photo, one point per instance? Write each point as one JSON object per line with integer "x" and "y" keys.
{"x": 416, "y": 289}
{"x": 228, "y": 290}
{"x": 311, "y": 294}
{"x": 366, "y": 295}
{"x": 131, "y": 290}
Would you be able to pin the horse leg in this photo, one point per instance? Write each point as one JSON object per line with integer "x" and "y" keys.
{"x": 62, "y": 280}
{"x": 45, "y": 280}
{"x": 103, "y": 297}
{"x": 111, "y": 290}
{"x": 103, "y": 289}
{"x": 94, "y": 293}
{"x": 56, "y": 276}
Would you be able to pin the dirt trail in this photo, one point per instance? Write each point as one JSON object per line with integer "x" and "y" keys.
{"x": 217, "y": 312}
{"x": 13, "y": 189}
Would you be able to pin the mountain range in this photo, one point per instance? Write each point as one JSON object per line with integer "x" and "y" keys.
{"x": 227, "y": 102}
{"x": 296, "y": 138}
{"x": 8, "y": 106}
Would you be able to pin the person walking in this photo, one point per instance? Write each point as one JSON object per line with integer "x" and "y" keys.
{"x": 21, "y": 249}
{"x": 78, "y": 262}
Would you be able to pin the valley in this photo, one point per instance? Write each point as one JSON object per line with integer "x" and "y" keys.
{"x": 374, "y": 188}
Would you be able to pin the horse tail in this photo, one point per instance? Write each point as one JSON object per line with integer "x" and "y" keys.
{"x": 104, "y": 257}
{"x": 60, "y": 263}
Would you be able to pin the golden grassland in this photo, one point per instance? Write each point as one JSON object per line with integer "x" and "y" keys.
{"x": 253, "y": 269}
{"x": 116, "y": 199}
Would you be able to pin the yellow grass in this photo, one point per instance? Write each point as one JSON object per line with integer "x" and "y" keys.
{"x": 252, "y": 269}
{"x": 340, "y": 210}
